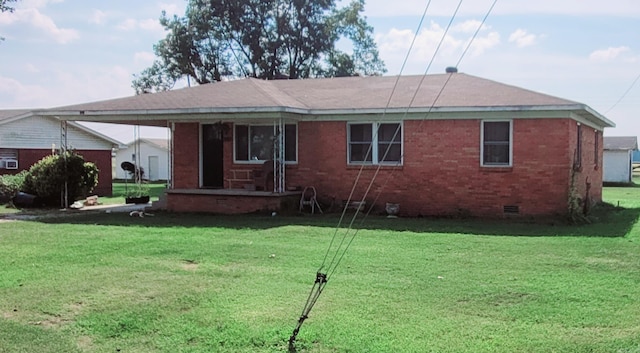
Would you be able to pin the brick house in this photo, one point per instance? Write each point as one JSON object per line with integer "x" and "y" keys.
{"x": 26, "y": 138}
{"x": 437, "y": 144}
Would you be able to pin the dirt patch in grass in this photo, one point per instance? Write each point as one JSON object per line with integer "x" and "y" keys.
{"x": 9, "y": 314}
{"x": 189, "y": 265}
{"x": 84, "y": 343}
{"x": 52, "y": 322}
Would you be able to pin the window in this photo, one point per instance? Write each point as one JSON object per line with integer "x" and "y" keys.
{"x": 367, "y": 146}
{"x": 8, "y": 159}
{"x": 496, "y": 143}
{"x": 256, "y": 142}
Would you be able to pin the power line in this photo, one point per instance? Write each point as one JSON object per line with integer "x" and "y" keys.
{"x": 624, "y": 94}
{"x": 406, "y": 112}
{"x": 322, "y": 277}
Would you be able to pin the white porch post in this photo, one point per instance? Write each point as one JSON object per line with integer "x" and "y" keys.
{"x": 279, "y": 156}
{"x": 64, "y": 197}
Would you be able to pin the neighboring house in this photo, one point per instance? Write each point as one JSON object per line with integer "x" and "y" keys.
{"x": 26, "y": 138}
{"x": 153, "y": 158}
{"x": 618, "y": 158}
{"x": 440, "y": 145}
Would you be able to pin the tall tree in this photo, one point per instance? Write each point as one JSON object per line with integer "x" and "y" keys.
{"x": 266, "y": 39}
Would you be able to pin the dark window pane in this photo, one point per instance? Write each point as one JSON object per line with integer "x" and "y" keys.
{"x": 496, "y": 131}
{"x": 389, "y": 132}
{"x": 360, "y": 133}
{"x": 496, "y": 154}
{"x": 290, "y": 143}
{"x": 261, "y": 144}
{"x": 358, "y": 152}
{"x": 242, "y": 142}
{"x": 393, "y": 154}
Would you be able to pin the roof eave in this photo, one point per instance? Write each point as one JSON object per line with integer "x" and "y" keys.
{"x": 162, "y": 114}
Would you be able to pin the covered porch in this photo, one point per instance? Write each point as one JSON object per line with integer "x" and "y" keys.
{"x": 224, "y": 164}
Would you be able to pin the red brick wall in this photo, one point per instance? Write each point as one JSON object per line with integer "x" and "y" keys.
{"x": 102, "y": 159}
{"x": 186, "y": 165}
{"x": 588, "y": 177}
{"x": 226, "y": 204}
{"x": 441, "y": 173}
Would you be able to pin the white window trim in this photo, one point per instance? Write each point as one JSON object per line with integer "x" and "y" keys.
{"x": 374, "y": 143}
{"x": 260, "y": 162}
{"x": 506, "y": 165}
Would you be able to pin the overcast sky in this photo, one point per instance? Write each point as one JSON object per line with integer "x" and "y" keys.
{"x": 61, "y": 52}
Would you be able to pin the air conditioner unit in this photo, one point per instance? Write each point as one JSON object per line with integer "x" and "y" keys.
{"x": 3, "y": 164}
{"x": 11, "y": 164}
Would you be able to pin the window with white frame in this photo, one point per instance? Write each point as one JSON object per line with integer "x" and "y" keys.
{"x": 255, "y": 143}
{"x": 496, "y": 143}
{"x": 367, "y": 146}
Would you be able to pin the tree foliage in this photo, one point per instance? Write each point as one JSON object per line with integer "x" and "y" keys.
{"x": 266, "y": 39}
{"x": 47, "y": 177}
{"x": 5, "y": 5}
{"x": 10, "y": 185}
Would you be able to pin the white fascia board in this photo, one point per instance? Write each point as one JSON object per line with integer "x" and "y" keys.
{"x": 143, "y": 114}
{"x": 580, "y": 112}
{"x": 445, "y": 115}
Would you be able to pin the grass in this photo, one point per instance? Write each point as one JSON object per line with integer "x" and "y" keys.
{"x": 199, "y": 283}
{"x": 119, "y": 190}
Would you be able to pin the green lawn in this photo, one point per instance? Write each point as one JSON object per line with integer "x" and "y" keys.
{"x": 119, "y": 190}
{"x": 199, "y": 283}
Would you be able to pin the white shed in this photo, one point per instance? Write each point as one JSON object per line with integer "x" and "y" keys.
{"x": 154, "y": 158}
{"x": 618, "y": 158}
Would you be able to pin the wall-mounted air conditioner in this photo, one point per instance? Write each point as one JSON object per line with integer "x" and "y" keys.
{"x": 11, "y": 164}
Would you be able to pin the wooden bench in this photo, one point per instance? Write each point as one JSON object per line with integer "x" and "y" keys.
{"x": 240, "y": 176}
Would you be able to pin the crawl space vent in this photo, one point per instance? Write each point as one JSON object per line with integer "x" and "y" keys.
{"x": 511, "y": 209}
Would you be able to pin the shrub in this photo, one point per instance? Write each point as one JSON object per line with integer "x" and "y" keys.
{"x": 10, "y": 185}
{"x": 46, "y": 178}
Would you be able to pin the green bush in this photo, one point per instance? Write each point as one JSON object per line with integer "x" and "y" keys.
{"x": 10, "y": 185}
{"x": 46, "y": 178}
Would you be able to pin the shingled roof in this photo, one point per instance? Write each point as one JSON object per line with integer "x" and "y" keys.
{"x": 461, "y": 90}
{"x": 620, "y": 143}
{"x": 346, "y": 95}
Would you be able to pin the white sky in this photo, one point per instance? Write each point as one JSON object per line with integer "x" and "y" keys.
{"x": 61, "y": 52}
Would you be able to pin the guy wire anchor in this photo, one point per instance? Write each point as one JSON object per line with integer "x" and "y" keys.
{"x": 318, "y": 286}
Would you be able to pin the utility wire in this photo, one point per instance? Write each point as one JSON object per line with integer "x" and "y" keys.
{"x": 397, "y": 131}
{"x": 322, "y": 278}
{"x": 406, "y": 58}
{"x": 624, "y": 94}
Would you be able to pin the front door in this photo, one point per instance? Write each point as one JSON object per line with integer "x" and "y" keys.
{"x": 212, "y": 157}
